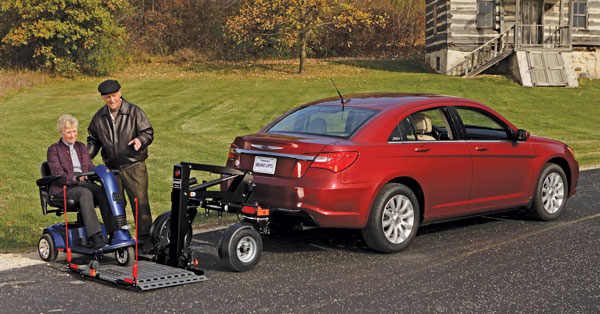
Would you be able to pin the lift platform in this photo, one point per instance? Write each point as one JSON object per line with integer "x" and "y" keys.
{"x": 150, "y": 275}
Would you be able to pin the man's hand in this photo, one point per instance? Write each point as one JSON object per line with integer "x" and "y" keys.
{"x": 136, "y": 143}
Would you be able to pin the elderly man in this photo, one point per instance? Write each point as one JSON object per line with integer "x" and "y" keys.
{"x": 122, "y": 132}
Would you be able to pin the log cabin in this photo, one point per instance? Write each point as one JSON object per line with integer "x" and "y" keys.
{"x": 537, "y": 42}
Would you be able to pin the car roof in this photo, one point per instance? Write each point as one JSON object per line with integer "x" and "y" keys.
{"x": 384, "y": 101}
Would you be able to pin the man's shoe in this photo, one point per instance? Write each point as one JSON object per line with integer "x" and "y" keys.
{"x": 145, "y": 245}
{"x": 97, "y": 241}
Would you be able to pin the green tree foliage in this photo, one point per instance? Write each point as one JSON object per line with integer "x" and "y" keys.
{"x": 64, "y": 36}
{"x": 294, "y": 23}
{"x": 167, "y": 26}
{"x": 402, "y": 36}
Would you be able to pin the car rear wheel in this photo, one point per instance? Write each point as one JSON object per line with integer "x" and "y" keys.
{"x": 550, "y": 194}
{"x": 394, "y": 219}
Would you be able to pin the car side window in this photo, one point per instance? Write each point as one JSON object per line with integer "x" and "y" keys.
{"x": 431, "y": 125}
{"x": 482, "y": 126}
{"x": 403, "y": 132}
{"x": 425, "y": 125}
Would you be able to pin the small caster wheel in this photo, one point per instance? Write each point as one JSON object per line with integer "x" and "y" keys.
{"x": 125, "y": 256}
{"x": 241, "y": 247}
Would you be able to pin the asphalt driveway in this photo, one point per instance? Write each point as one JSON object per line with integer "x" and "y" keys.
{"x": 502, "y": 263}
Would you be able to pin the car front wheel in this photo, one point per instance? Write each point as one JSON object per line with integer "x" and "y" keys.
{"x": 550, "y": 193}
{"x": 394, "y": 219}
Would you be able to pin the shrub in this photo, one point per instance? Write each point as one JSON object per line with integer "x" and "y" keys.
{"x": 64, "y": 36}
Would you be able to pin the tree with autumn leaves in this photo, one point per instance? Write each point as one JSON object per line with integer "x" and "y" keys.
{"x": 295, "y": 22}
{"x": 64, "y": 36}
{"x": 69, "y": 37}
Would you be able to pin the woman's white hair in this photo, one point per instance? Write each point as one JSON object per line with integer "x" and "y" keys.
{"x": 67, "y": 121}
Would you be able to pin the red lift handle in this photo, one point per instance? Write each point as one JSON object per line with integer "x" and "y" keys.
{"x": 134, "y": 269}
{"x": 135, "y": 266}
{"x": 66, "y": 226}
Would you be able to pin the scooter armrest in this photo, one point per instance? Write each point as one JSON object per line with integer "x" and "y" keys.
{"x": 47, "y": 180}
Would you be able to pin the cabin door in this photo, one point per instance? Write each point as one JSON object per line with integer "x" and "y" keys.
{"x": 531, "y": 21}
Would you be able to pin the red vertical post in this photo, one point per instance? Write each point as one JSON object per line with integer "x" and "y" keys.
{"x": 66, "y": 226}
{"x": 135, "y": 266}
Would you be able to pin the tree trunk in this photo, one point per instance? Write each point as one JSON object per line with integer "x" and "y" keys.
{"x": 303, "y": 39}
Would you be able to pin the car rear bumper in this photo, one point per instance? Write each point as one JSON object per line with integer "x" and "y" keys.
{"x": 328, "y": 202}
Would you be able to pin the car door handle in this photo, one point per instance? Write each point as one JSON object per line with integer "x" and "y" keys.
{"x": 421, "y": 149}
{"x": 481, "y": 148}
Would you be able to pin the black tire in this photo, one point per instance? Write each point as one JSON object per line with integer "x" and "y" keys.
{"x": 550, "y": 195}
{"x": 125, "y": 256}
{"x": 160, "y": 232}
{"x": 47, "y": 248}
{"x": 241, "y": 247}
{"x": 401, "y": 226}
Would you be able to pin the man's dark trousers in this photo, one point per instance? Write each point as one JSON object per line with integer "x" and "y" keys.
{"x": 134, "y": 180}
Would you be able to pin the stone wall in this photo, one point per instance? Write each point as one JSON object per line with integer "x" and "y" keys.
{"x": 451, "y": 61}
{"x": 431, "y": 57}
{"x": 586, "y": 63}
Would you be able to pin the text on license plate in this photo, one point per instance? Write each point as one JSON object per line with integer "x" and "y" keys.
{"x": 264, "y": 164}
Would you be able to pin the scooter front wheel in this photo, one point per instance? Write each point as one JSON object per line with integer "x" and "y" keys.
{"x": 125, "y": 256}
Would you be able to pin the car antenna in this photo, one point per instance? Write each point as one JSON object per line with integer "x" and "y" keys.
{"x": 338, "y": 91}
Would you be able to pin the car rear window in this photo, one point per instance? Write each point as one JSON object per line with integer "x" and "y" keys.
{"x": 324, "y": 120}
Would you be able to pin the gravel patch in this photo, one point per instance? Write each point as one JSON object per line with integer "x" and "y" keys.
{"x": 16, "y": 260}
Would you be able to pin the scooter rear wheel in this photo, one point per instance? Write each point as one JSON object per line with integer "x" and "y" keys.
{"x": 47, "y": 248}
{"x": 161, "y": 233}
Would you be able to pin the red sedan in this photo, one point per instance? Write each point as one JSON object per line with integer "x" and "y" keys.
{"x": 387, "y": 163}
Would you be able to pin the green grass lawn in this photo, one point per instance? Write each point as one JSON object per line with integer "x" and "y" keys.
{"x": 197, "y": 111}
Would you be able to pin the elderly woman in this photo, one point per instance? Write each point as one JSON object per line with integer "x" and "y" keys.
{"x": 67, "y": 158}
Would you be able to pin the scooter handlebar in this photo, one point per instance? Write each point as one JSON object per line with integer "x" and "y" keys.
{"x": 86, "y": 174}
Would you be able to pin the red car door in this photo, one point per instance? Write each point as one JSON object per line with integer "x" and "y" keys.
{"x": 502, "y": 167}
{"x": 439, "y": 162}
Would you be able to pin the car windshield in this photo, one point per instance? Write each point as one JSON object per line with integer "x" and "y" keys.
{"x": 324, "y": 120}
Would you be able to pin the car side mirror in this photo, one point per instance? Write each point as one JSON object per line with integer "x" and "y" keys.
{"x": 521, "y": 135}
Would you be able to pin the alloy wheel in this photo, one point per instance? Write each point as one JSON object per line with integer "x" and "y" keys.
{"x": 398, "y": 219}
{"x": 553, "y": 192}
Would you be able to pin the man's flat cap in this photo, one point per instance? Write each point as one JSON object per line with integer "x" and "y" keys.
{"x": 109, "y": 87}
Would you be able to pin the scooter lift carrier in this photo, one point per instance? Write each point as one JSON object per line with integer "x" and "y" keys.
{"x": 187, "y": 196}
{"x": 173, "y": 261}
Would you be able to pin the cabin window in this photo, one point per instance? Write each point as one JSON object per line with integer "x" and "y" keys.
{"x": 485, "y": 14}
{"x": 580, "y": 14}
{"x": 435, "y": 9}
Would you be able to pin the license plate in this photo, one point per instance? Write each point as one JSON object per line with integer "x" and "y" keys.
{"x": 264, "y": 165}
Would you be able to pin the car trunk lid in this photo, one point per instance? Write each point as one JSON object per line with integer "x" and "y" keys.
{"x": 276, "y": 154}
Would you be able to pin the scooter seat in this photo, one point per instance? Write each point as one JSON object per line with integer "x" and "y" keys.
{"x": 59, "y": 202}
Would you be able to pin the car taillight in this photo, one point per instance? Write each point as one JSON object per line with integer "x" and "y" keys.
{"x": 336, "y": 162}
{"x": 232, "y": 147}
{"x": 232, "y": 155}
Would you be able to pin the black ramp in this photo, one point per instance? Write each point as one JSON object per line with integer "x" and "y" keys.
{"x": 150, "y": 275}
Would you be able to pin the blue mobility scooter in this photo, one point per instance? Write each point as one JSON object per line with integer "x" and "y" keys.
{"x": 55, "y": 239}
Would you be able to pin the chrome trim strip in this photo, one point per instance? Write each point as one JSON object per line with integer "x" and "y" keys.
{"x": 258, "y": 152}
{"x": 427, "y": 142}
{"x": 258, "y": 146}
